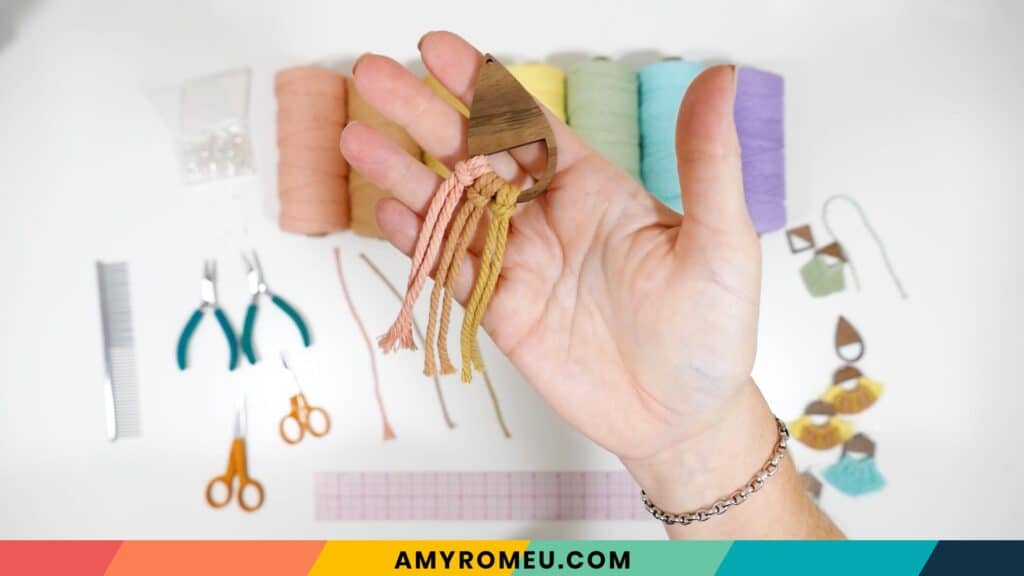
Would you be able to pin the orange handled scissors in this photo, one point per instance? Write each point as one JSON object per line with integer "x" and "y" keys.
{"x": 303, "y": 417}
{"x": 220, "y": 489}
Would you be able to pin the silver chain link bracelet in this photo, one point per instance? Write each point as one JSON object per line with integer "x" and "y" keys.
{"x": 736, "y": 498}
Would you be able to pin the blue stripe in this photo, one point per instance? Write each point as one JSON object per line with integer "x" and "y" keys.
{"x": 851, "y": 558}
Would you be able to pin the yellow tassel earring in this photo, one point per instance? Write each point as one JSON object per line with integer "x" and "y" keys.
{"x": 821, "y": 436}
{"x": 851, "y": 392}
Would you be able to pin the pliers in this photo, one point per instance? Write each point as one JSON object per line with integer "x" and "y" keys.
{"x": 257, "y": 287}
{"x": 208, "y": 294}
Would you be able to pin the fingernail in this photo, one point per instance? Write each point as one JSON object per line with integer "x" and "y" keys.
{"x": 419, "y": 45}
{"x": 355, "y": 66}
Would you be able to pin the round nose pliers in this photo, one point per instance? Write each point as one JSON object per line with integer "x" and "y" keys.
{"x": 258, "y": 287}
{"x": 208, "y": 294}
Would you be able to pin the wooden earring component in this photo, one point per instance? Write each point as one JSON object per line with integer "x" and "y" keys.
{"x": 847, "y": 335}
{"x": 860, "y": 444}
{"x": 503, "y": 116}
{"x": 852, "y": 399}
{"x": 800, "y": 239}
{"x": 833, "y": 253}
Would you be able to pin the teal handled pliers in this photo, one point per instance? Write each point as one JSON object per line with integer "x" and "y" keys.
{"x": 208, "y": 294}
{"x": 258, "y": 287}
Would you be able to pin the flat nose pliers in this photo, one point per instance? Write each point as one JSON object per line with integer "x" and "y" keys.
{"x": 208, "y": 295}
{"x": 258, "y": 287}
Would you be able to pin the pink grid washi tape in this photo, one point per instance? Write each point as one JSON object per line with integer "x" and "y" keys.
{"x": 590, "y": 495}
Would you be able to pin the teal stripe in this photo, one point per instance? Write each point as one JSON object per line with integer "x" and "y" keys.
{"x": 654, "y": 558}
{"x": 852, "y": 558}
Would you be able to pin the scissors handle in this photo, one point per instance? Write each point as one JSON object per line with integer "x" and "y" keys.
{"x": 318, "y": 423}
{"x": 237, "y": 468}
{"x": 211, "y": 489}
{"x": 249, "y": 486}
{"x": 291, "y": 428}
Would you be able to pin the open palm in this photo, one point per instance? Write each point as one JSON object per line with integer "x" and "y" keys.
{"x": 636, "y": 324}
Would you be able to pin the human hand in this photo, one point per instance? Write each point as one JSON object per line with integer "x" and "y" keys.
{"x": 638, "y": 325}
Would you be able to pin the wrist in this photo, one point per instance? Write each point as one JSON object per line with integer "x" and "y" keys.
{"x": 698, "y": 471}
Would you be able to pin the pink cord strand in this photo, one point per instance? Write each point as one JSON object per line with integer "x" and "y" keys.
{"x": 388, "y": 433}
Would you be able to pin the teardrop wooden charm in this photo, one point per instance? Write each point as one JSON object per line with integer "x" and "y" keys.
{"x": 503, "y": 116}
{"x": 846, "y": 335}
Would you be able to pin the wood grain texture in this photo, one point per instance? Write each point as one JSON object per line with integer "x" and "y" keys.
{"x": 503, "y": 116}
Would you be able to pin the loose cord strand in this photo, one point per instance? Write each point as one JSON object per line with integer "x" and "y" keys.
{"x": 388, "y": 432}
{"x": 495, "y": 404}
{"x": 871, "y": 231}
{"x": 419, "y": 333}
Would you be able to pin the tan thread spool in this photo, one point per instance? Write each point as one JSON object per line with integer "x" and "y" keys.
{"x": 363, "y": 194}
{"x": 312, "y": 184}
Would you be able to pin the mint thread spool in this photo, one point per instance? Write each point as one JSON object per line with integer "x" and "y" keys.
{"x": 602, "y": 107}
{"x": 661, "y": 87}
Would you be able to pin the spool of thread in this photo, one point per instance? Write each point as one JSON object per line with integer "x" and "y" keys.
{"x": 312, "y": 174}
{"x": 662, "y": 86}
{"x": 759, "y": 123}
{"x": 602, "y": 107}
{"x": 364, "y": 194}
{"x": 431, "y": 162}
{"x": 545, "y": 82}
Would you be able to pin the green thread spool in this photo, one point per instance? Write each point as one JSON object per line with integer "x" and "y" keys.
{"x": 602, "y": 107}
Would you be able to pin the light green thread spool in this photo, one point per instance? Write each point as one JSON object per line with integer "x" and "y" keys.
{"x": 602, "y": 107}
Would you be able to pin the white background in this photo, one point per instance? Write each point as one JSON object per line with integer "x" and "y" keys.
{"x": 914, "y": 108}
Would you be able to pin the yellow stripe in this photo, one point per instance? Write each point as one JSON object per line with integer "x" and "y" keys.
{"x": 422, "y": 556}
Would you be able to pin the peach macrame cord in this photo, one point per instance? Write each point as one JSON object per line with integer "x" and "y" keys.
{"x": 462, "y": 231}
{"x": 429, "y": 244}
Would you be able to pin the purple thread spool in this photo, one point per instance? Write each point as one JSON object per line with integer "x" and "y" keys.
{"x": 758, "y": 115}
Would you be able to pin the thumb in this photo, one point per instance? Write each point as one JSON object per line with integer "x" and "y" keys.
{"x": 708, "y": 154}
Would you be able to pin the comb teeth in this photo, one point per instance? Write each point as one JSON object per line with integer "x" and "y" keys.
{"x": 119, "y": 348}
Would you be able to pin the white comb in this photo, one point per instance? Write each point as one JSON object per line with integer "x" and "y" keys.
{"x": 121, "y": 392}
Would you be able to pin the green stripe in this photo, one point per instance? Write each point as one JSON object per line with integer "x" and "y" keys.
{"x": 654, "y": 558}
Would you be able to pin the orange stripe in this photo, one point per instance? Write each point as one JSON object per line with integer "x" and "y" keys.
{"x": 252, "y": 558}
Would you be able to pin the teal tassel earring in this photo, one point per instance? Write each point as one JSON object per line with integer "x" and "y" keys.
{"x": 856, "y": 473}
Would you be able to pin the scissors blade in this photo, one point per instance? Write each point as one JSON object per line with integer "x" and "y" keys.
{"x": 241, "y": 426}
{"x": 288, "y": 367}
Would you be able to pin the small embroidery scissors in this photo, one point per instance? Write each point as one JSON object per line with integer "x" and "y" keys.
{"x": 303, "y": 417}
{"x": 250, "y": 492}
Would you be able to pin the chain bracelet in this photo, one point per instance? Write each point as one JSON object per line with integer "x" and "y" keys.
{"x": 771, "y": 466}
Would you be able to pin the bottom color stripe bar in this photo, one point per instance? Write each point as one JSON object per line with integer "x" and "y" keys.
{"x": 478, "y": 496}
{"x": 502, "y": 557}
